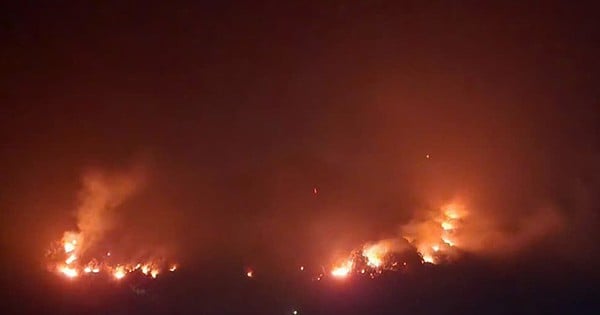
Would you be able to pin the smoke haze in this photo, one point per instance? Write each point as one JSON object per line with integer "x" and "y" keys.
{"x": 349, "y": 99}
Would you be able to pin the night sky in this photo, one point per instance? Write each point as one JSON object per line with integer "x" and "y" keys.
{"x": 280, "y": 134}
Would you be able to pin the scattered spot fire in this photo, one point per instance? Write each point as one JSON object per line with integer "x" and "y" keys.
{"x": 67, "y": 259}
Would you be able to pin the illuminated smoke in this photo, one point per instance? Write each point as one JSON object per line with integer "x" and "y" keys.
{"x": 101, "y": 196}
{"x": 441, "y": 235}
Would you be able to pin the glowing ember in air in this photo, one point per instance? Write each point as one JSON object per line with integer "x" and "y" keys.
{"x": 173, "y": 268}
{"x": 249, "y": 273}
{"x": 301, "y": 268}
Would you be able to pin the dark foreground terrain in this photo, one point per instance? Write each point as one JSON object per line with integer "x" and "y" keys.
{"x": 469, "y": 287}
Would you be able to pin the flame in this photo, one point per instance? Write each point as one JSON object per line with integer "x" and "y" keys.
{"x": 428, "y": 259}
{"x": 375, "y": 254}
{"x": 69, "y": 271}
{"x": 119, "y": 273}
{"x": 447, "y": 241}
{"x": 447, "y": 226}
{"x": 72, "y": 265}
{"x": 70, "y": 246}
{"x": 434, "y": 237}
{"x": 70, "y": 259}
{"x": 343, "y": 270}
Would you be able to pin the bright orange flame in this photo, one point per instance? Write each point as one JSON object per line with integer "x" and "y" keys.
{"x": 428, "y": 259}
{"x": 119, "y": 273}
{"x": 447, "y": 241}
{"x": 447, "y": 226}
{"x": 69, "y": 272}
{"x": 343, "y": 270}
{"x": 70, "y": 259}
{"x": 69, "y": 246}
{"x": 453, "y": 211}
{"x": 375, "y": 253}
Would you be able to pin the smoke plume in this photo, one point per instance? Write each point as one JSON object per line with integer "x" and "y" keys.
{"x": 102, "y": 194}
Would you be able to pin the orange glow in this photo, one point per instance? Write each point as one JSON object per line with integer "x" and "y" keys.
{"x": 447, "y": 241}
{"x": 70, "y": 259}
{"x": 428, "y": 259}
{"x": 69, "y": 246}
{"x": 343, "y": 270}
{"x": 72, "y": 266}
{"x": 119, "y": 273}
{"x": 83, "y": 252}
{"x": 447, "y": 226}
{"x": 250, "y": 274}
{"x": 69, "y": 272}
{"x": 374, "y": 254}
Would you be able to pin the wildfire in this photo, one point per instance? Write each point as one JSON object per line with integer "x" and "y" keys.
{"x": 343, "y": 270}
{"x": 70, "y": 246}
{"x": 375, "y": 253}
{"x": 71, "y": 265}
{"x": 119, "y": 273}
{"x": 433, "y": 239}
{"x": 69, "y": 272}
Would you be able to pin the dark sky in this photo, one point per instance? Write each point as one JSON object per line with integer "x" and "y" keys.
{"x": 240, "y": 109}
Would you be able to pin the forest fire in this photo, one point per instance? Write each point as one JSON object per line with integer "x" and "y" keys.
{"x": 67, "y": 262}
{"x": 433, "y": 239}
